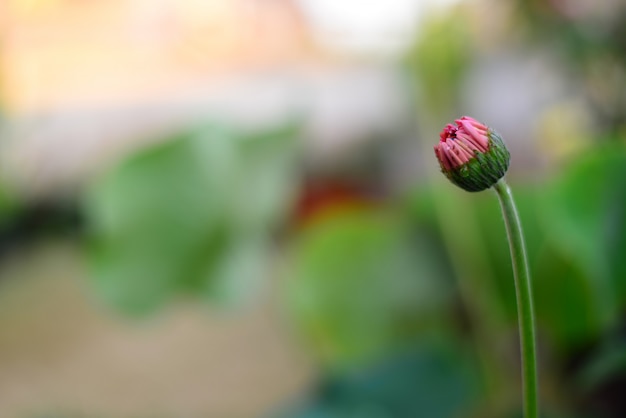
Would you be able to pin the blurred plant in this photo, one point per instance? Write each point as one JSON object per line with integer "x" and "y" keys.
{"x": 440, "y": 60}
{"x": 371, "y": 296}
{"x": 438, "y": 64}
{"x": 192, "y": 215}
{"x": 573, "y": 222}
{"x": 474, "y": 157}
{"x": 354, "y": 292}
{"x": 431, "y": 380}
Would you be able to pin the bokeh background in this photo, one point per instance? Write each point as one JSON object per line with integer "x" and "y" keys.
{"x": 231, "y": 208}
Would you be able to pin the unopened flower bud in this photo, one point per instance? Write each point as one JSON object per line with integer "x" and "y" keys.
{"x": 472, "y": 155}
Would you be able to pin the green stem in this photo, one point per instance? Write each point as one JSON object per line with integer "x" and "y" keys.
{"x": 523, "y": 290}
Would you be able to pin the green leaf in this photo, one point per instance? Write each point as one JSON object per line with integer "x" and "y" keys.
{"x": 584, "y": 213}
{"x": 432, "y": 380}
{"x": 555, "y": 276}
{"x": 565, "y": 307}
{"x": 362, "y": 286}
{"x": 190, "y": 215}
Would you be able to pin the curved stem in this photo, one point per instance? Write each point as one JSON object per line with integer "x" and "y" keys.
{"x": 526, "y": 316}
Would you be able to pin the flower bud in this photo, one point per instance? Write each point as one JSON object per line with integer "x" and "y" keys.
{"x": 472, "y": 155}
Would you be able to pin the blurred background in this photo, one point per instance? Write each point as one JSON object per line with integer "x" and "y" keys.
{"x": 231, "y": 208}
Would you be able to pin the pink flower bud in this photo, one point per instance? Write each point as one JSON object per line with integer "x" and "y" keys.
{"x": 472, "y": 155}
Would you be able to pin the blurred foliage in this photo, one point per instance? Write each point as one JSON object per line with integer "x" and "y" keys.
{"x": 574, "y": 222}
{"x": 375, "y": 290}
{"x": 362, "y": 286}
{"x": 191, "y": 215}
{"x": 591, "y": 230}
{"x": 574, "y": 228}
{"x": 9, "y": 204}
{"x": 439, "y": 61}
{"x": 431, "y": 380}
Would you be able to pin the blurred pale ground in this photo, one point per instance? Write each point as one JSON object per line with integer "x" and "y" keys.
{"x": 85, "y": 83}
{"x": 60, "y": 354}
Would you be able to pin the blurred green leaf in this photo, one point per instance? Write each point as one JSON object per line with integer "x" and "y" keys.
{"x": 574, "y": 318}
{"x": 9, "y": 204}
{"x": 362, "y": 285}
{"x": 566, "y": 298}
{"x": 584, "y": 213}
{"x": 555, "y": 277}
{"x": 434, "y": 381}
{"x": 192, "y": 214}
{"x": 564, "y": 301}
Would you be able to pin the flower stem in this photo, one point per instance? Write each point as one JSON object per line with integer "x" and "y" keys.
{"x": 523, "y": 290}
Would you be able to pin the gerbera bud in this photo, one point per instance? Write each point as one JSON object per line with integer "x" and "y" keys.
{"x": 472, "y": 155}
